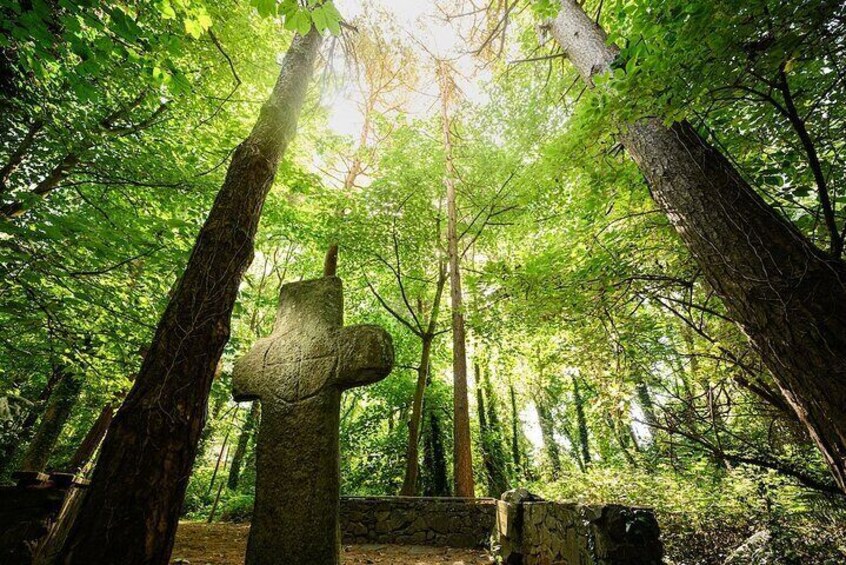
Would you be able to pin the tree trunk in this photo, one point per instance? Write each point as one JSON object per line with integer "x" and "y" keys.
{"x": 131, "y": 509}
{"x": 220, "y": 457}
{"x": 489, "y": 432}
{"x": 462, "y": 453}
{"x": 11, "y": 446}
{"x": 515, "y": 430}
{"x": 484, "y": 433}
{"x": 434, "y": 459}
{"x": 412, "y": 467}
{"x": 85, "y": 452}
{"x": 53, "y": 420}
{"x": 216, "y": 409}
{"x": 91, "y": 441}
{"x": 548, "y": 432}
{"x": 788, "y": 296}
{"x": 241, "y": 449}
{"x": 581, "y": 422}
{"x": 644, "y": 399}
{"x": 575, "y": 452}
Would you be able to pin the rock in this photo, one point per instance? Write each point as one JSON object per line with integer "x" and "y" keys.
{"x": 756, "y": 550}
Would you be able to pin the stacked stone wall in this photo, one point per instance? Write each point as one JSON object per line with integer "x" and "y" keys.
{"x": 445, "y": 522}
{"x": 539, "y": 532}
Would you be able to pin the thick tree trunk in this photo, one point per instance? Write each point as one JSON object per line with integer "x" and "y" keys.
{"x": 788, "y": 296}
{"x": 53, "y": 420}
{"x": 131, "y": 509}
{"x": 412, "y": 466}
{"x": 461, "y": 450}
{"x": 241, "y": 449}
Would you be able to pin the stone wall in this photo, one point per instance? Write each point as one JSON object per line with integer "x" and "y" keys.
{"x": 531, "y": 531}
{"x": 526, "y": 530}
{"x": 452, "y": 522}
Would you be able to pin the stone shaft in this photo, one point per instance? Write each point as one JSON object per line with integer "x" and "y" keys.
{"x": 298, "y": 373}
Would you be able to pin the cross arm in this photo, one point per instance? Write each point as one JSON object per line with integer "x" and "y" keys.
{"x": 366, "y": 355}
{"x": 248, "y": 378}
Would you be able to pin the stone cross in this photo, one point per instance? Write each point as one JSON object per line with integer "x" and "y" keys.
{"x": 298, "y": 374}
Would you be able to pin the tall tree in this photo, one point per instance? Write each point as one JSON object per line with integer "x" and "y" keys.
{"x": 7, "y": 453}
{"x": 53, "y": 420}
{"x": 462, "y": 452}
{"x": 547, "y": 426}
{"x": 581, "y": 422}
{"x": 515, "y": 430}
{"x": 149, "y": 450}
{"x": 434, "y": 457}
{"x": 427, "y": 336}
{"x": 247, "y": 433}
{"x": 490, "y": 434}
{"x": 787, "y": 295}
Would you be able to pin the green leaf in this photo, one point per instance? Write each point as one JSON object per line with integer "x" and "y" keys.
{"x": 321, "y": 22}
{"x": 265, "y": 7}
{"x": 299, "y": 22}
{"x": 193, "y": 28}
{"x": 166, "y": 10}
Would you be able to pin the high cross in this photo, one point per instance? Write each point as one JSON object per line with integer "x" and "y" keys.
{"x": 298, "y": 373}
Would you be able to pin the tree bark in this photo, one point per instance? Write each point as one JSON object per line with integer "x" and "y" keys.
{"x": 462, "y": 453}
{"x": 515, "y": 430}
{"x": 85, "y": 452}
{"x": 92, "y": 439}
{"x": 241, "y": 449}
{"x": 7, "y": 456}
{"x": 412, "y": 466}
{"x": 53, "y": 420}
{"x": 434, "y": 459}
{"x": 788, "y": 296}
{"x": 548, "y": 433}
{"x": 581, "y": 422}
{"x": 131, "y": 509}
{"x": 489, "y": 431}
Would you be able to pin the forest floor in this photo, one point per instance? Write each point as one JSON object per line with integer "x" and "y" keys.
{"x": 225, "y": 544}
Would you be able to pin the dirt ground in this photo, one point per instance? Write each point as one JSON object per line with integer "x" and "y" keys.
{"x": 224, "y": 544}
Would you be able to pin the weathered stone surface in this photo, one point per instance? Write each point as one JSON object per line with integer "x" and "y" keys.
{"x": 298, "y": 374}
{"x": 531, "y": 531}
{"x": 444, "y": 522}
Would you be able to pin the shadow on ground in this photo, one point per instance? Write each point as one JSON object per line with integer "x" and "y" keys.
{"x": 225, "y": 544}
